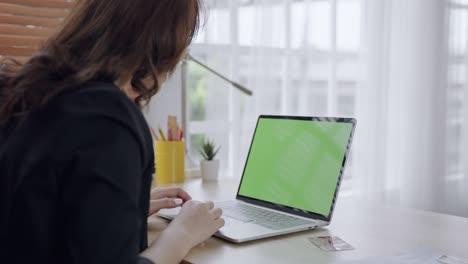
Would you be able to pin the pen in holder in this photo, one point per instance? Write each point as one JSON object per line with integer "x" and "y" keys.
{"x": 170, "y": 162}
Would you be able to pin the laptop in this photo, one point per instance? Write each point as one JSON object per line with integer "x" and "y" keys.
{"x": 291, "y": 178}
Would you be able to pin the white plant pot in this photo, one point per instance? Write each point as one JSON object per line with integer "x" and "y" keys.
{"x": 209, "y": 170}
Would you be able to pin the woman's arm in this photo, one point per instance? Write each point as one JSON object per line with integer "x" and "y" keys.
{"x": 195, "y": 223}
{"x": 102, "y": 212}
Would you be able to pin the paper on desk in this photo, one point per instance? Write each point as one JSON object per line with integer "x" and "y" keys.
{"x": 420, "y": 256}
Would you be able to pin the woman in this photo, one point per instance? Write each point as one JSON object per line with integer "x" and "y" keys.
{"x": 76, "y": 155}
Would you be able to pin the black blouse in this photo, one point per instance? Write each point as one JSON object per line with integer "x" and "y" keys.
{"x": 75, "y": 181}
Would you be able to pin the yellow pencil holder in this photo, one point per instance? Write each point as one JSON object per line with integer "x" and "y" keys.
{"x": 170, "y": 162}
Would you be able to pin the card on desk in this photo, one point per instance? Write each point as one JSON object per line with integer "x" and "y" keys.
{"x": 330, "y": 243}
{"x": 449, "y": 260}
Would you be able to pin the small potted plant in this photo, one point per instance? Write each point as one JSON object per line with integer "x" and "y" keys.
{"x": 209, "y": 166}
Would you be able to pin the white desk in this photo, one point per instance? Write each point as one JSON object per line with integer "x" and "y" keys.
{"x": 372, "y": 230}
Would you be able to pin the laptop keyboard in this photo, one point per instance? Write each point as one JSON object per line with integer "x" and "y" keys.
{"x": 261, "y": 217}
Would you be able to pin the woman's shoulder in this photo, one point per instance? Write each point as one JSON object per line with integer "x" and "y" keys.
{"x": 92, "y": 117}
{"x": 95, "y": 96}
{"x": 101, "y": 101}
{"x": 97, "y": 99}
{"x": 97, "y": 106}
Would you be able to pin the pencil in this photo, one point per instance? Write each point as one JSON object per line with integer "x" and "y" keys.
{"x": 161, "y": 133}
{"x": 181, "y": 135}
{"x": 170, "y": 135}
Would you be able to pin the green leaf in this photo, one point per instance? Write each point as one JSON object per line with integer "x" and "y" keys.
{"x": 208, "y": 151}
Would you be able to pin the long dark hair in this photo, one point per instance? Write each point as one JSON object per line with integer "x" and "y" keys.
{"x": 109, "y": 39}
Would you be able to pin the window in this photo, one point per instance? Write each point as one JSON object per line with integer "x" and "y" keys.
{"x": 300, "y": 57}
{"x": 457, "y": 84}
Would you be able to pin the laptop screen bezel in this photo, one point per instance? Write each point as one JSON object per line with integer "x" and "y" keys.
{"x": 292, "y": 210}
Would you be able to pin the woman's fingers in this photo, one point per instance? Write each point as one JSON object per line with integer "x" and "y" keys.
{"x": 209, "y": 205}
{"x": 216, "y": 213}
{"x": 219, "y": 223}
{"x": 182, "y": 194}
{"x": 160, "y": 193}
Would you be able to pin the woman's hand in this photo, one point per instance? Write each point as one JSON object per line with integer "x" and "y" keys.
{"x": 167, "y": 198}
{"x": 195, "y": 223}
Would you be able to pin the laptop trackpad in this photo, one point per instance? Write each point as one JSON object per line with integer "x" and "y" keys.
{"x": 234, "y": 228}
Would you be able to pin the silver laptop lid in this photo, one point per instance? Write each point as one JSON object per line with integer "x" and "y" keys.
{"x": 295, "y": 164}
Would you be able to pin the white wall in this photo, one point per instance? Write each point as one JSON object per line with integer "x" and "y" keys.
{"x": 169, "y": 102}
{"x": 166, "y": 102}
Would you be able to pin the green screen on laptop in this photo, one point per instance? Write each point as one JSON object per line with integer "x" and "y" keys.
{"x": 296, "y": 163}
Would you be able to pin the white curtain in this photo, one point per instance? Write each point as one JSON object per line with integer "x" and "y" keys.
{"x": 398, "y": 66}
{"x": 400, "y": 149}
{"x": 411, "y": 111}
